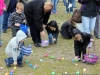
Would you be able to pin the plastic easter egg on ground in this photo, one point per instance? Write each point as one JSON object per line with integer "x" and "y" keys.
{"x": 1, "y": 68}
{"x": 53, "y": 73}
{"x": 65, "y": 72}
{"x": 7, "y": 74}
{"x": 77, "y": 72}
{"x": 84, "y": 69}
{"x": 91, "y": 56}
{"x": 36, "y": 65}
{"x": 52, "y": 57}
{"x": 59, "y": 59}
{"x": 62, "y": 58}
{"x": 76, "y": 64}
{"x": 27, "y": 61}
{"x": 12, "y": 71}
{"x": 30, "y": 65}
{"x": 11, "y": 74}
{"x": 76, "y": 60}
{"x": 73, "y": 60}
{"x": 15, "y": 67}
{"x": 41, "y": 60}
{"x": 48, "y": 48}
{"x": 45, "y": 55}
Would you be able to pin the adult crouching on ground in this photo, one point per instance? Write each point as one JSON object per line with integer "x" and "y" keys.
{"x": 37, "y": 13}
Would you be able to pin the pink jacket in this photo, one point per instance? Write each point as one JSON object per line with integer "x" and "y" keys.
{"x": 2, "y": 5}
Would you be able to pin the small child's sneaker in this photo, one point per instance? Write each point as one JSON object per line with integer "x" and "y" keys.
{"x": 83, "y": 61}
{"x": 55, "y": 42}
{"x": 79, "y": 59}
{"x": 7, "y": 64}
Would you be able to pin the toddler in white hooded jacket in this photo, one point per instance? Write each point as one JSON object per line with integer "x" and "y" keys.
{"x": 13, "y": 50}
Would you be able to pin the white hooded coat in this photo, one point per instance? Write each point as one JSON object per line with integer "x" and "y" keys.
{"x": 12, "y": 49}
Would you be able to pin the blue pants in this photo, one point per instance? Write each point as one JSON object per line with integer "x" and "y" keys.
{"x": 1, "y": 20}
{"x": 50, "y": 36}
{"x": 55, "y": 3}
{"x": 19, "y": 59}
{"x": 67, "y": 4}
{"x": 74, "y": 3}
{"x": 88, "y": 24}
{"x": 5, "y": 20}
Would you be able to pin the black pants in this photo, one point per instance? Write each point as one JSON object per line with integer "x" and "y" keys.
{"x": 14, "y": 31}
{"x": 35, "y": 33}
{"x": 82, "y": 50}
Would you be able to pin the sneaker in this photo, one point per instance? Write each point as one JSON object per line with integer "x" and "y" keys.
{"x": 37, "y": 45}
{"x": 50, "y": 43}
{"x": 7, "y": 64}
{"x": 71, "y": 12}
{"x": 83, "y": 61}
{"x": 55, "y": 42}
{"x": 66, "y": 12}
{"x": 20, "y": 65}
{"x": 79, "y": 59}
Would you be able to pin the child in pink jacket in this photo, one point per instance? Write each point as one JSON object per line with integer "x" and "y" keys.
{"x": 2, "y": 8}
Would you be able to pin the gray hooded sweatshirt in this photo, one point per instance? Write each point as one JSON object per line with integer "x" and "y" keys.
{"x": 12, "y": 48}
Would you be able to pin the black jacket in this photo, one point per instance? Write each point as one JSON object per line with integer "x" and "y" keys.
{"x": 80, "y": 45}
{"x": 89, "y": 8}
{"x": 67, "y": 30}
{"x": 50, "y": 31}
{"x": 34, "y": 12}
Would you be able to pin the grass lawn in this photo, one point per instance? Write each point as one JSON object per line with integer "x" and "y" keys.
{"x": 63, "y": 49}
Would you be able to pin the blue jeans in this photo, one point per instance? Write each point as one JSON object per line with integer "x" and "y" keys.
{"x": 74, "y": 3}
{"x": 50, "y": 36}
{"x": 5, "y": 20}
{"x": 54, "y": 2}
{"x": 88, "y": 24}
{"x": 67, "y": 4}
{"x": 19, "y": 59}
{"x": 1, "y": 21}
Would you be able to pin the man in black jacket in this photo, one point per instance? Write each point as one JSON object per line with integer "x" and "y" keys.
{"x": 81, "y": 41}
{"x": 37, "y": 13}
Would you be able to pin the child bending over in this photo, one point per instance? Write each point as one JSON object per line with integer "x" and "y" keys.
{"x": 81, "y": 41}
{"x": 13, "y": 50}
{"x": 52, "y": 30}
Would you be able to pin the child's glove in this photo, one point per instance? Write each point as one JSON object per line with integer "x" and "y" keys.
{"x": 15, "y": 63}
{"x": 17, "y": 24}
{"x": 54, "y": 39}
{"x": 91, "y": 40}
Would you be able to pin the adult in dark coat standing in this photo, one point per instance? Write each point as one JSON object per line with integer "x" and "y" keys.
{"x": 37, "y": 13}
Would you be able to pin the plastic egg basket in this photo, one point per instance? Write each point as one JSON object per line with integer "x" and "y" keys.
{"x": 44, "y": 43}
